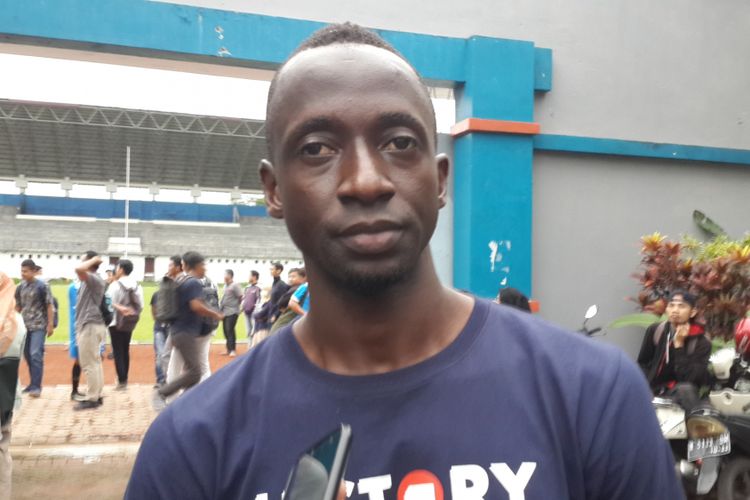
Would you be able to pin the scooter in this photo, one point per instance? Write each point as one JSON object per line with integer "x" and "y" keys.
{"x": 711, "y": 447}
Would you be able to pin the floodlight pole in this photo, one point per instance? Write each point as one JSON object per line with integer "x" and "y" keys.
{"x": 127, "y": 196}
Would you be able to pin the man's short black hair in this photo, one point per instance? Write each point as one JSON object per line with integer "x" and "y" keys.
{"x": 278, "y": 266}
{"x": 126, "y": 266}
{"x": 90, "y": 254}
{"x": 338, "y": 33}
{"x": 176, "y": 260}
{"x": 29, "y": 264}
{"x": 686, "y": 297}
{"x": 300, "y": 271}
{"x": 229, "y": 272}
{"x": 192, "y": 259}
{"x": 255, "y": 274}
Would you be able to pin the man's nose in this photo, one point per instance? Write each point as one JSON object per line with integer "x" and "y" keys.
{"x": 364, "y": 176}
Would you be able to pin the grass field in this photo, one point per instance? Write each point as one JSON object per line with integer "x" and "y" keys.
{"x": 143, "y": 332}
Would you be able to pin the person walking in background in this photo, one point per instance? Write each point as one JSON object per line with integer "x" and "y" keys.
{"x": 514, "y": 298}
{"x": 230, "y": 307}
{"x": 297, "y": 278}
{"x": 163, "y": 351}
{"x": 278, "y": 289}
{"x": 91, "y": 329}
{"x": 12, "y": 332}
{"x": 34, "y": 301}
{"x": 127, "y": 300}
{"x": 75, "y": 376}
{"x": 262, "y": 318}
{"x": 186, "y": 329}
{"x": 250, "y": 300}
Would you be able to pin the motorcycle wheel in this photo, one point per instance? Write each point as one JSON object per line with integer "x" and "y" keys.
{"x": 734, "y": 480}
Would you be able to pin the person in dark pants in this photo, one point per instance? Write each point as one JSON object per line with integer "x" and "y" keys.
{"x": 230, "y": 307}
{"x": 186, "y": 329}
{"x": 34, "y": 302}
{"x": 674, "y": 354}
{"x": 278, "y": 289}
{"x": 127, "y": 300}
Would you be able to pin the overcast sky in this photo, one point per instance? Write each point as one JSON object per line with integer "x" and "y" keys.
{"x": 43, "y": 79}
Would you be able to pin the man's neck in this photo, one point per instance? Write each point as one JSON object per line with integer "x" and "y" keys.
{"x": 356, "y": 335}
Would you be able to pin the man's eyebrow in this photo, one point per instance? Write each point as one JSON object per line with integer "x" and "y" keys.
{"x": 315, "y": 124}
{"x": 397, "y": 118}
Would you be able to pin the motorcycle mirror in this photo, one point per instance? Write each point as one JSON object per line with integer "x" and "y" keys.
{"x": 591, "y": 312}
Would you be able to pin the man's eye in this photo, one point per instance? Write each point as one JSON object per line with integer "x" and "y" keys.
{"x": 316, "y": 149}
{"x": 402, "y": 143}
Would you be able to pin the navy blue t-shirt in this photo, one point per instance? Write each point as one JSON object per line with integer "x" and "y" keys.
{"x": 187, "y": 322}
{"x": 514, "y": 408}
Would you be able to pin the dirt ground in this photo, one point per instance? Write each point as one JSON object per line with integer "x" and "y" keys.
{"x": 58, "y": 365}
{"x": 102, "y": 478}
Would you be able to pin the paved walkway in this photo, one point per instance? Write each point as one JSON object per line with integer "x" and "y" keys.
{"x": 50, "y": 420}
{"x": 85, "y": 455}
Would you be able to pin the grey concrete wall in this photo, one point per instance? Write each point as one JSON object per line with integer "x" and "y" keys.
{"x": 590, "y": 212}
{"x": 667, "y": 71}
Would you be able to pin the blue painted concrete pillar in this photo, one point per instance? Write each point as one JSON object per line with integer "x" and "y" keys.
{"x": 493, "y": 171}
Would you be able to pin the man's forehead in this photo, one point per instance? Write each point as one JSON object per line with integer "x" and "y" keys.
{"x": 342, "y": 53}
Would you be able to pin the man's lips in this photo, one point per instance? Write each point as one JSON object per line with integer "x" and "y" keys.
{"x": 371, "y": 238}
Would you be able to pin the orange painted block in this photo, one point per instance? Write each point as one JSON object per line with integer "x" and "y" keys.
{"x": 470, "y": 125}
{"x": 534, "y": 305}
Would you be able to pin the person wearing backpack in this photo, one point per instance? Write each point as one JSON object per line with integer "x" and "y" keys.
{"x": 34, "y": 302}
{"x": 127, "y": 300}
{"x": 186, "y": 330}
{"x": 674, "y": 354}
{"x": 164, "y": 311}
{"x": 91, "y": 328}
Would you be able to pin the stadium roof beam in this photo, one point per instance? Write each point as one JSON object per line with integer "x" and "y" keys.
{"x": 132, "y": 119}
{"x": 87, "y": 144}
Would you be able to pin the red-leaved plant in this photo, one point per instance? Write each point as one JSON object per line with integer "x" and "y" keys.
{"x": 717, "y": 272}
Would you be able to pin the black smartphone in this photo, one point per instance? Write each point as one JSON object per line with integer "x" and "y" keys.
{"x": 319, "y": 471}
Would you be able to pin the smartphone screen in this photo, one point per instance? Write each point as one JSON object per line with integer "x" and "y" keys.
{"x": 320, "y": 469}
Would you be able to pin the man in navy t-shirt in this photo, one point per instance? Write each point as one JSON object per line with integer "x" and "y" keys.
{"x": 448, "y": 396}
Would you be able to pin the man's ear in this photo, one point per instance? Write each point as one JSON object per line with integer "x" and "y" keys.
{"x": 271, "y": 189}
{"x": 443, "y": 166}
{"x": 693, "y": 313}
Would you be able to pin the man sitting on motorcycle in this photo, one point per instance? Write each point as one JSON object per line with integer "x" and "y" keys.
{"x": 674, "y": 354}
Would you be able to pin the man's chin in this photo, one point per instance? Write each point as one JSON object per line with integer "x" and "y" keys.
{"x": 370, "y": 283}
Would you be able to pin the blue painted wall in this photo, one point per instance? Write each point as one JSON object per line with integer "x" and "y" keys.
{"x": 115, "y": 209}
{"x": 493, "y": 172}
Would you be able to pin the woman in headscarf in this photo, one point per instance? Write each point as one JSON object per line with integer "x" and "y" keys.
{"x": 12, "y": 332}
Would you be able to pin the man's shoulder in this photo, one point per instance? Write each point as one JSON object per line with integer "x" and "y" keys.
{"x": 538, "y": 337}
{"x": 228, "y": 392}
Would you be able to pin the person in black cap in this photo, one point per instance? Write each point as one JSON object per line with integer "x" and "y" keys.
{"x": 514, "y": 298}
{"x": 674, "y": 354}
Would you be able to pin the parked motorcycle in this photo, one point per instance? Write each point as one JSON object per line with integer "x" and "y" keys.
{"x": 712, "y": 447}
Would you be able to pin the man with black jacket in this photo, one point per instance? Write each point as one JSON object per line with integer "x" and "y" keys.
{"x": 278, "y": 289}
{"x": 674, "y": 354}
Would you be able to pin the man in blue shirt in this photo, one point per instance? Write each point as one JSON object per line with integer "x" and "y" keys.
{"x": 448, "y": 396}
{"x": 185, "y": 330}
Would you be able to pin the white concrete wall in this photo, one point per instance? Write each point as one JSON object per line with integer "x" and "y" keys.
{"x": 668, "y": 71}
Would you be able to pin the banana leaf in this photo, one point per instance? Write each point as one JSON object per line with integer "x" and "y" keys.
{"x": 643, "y": 320}
{"x": 707, "y": 224}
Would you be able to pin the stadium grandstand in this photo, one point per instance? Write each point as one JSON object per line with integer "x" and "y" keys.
{"x": 193, "y": 185}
